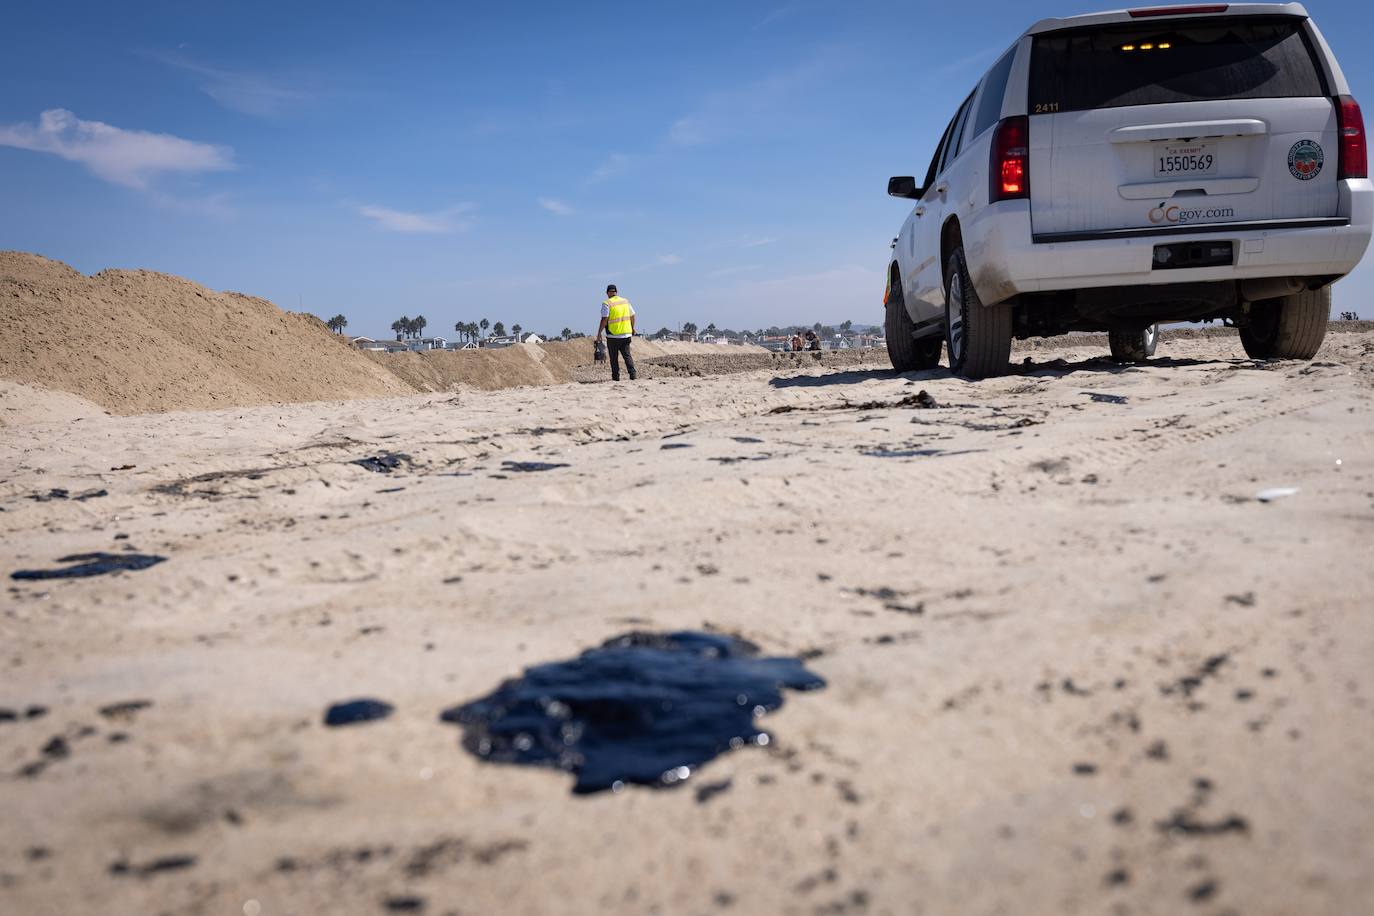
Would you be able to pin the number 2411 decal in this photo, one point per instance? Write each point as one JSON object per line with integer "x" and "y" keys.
{"x": 1046, "y": 107}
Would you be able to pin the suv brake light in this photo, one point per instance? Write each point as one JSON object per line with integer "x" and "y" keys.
{"x": 1009, "y": 171}
{"x": 1354, "y": 150}
{"x": 1178, "y": 10}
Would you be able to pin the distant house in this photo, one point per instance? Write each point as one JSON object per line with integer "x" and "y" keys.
{"x": 425, "y": 343}
{"x": 383, "y": 346}
{"x": 532, "y": 338}
{"x": 499, "y": 341}
{"x": 470, "y": 345}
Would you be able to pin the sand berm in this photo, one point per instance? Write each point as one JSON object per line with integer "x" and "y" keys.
{"x": 137, "y": 341}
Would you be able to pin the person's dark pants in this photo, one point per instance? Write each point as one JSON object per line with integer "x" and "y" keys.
{"x": 620, "y": 346}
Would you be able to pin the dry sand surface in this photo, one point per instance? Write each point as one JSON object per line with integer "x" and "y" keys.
{"x": 1073, "y": 664}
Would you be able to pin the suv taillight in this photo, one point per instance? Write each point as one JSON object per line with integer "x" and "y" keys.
{"x": 1350, "y": 126}
{"x": 1009, "y": 170}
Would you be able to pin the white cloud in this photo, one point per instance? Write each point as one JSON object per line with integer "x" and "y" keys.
{"x": 613, "y": 165}
{"x": 663, "y": 260}
{"x": 775, "y": 102}
{"x": 125, "y": 157}
{"x": 403, "y": 221}
{"x": 246, "y": 93}
{"x": 976, "y": 57}
{"x": 216, "y": 205}
{"x": 731, "y": 271}
{"x": 757, "y": 241}
{"x": 556, "y": 207}
{"x": 691, "y": 130}
{"x": 775, "y": 14}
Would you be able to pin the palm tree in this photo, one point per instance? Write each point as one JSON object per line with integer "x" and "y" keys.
{"x": 846, "y": 326}
{"x": 498, "y": 329}
{"x": 690, "y": 328}
{"x": 460, "y": 328}
{"x": 567, "y": 332}
{"x": 337, "y": 324}
{"x": 418, "y": 325}
{"x": 401, "y": 326}
{"x": 515, "y": 329}
{"x": 711, "y": 328}
{"x": 484, "y": 324}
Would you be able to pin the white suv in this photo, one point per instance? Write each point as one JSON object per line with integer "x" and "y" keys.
{"x": 1116, "y": 170}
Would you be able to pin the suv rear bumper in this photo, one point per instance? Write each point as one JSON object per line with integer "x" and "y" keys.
{"x": 1006, "y": 260}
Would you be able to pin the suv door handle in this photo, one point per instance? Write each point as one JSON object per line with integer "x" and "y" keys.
{"x": 921, "y": 209}
{"x": 942, "y": 187}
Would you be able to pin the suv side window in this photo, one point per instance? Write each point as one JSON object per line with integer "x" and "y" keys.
{"x": 939, "y": 153}
{"x": 994, "y": 88}
{"x": 952, "y": 147}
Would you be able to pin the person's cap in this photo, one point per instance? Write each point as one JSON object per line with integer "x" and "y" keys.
{"x": 610, "y": 288}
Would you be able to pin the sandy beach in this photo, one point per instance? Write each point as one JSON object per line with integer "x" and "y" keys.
{"x": 1073, "y": 664}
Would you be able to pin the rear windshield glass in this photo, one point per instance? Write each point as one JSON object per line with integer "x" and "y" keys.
{"x": 1155, "y": 63}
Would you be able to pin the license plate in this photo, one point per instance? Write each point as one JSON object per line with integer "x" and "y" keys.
{"x": 1184, "y": 160}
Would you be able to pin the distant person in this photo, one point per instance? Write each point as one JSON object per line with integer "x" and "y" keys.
{"x": 618, "y": 327}
{"x": 813, "y": 342}
{"x": 796, "y": 343}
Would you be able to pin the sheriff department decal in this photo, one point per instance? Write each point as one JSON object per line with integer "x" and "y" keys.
{"x": 1305, "y": 160}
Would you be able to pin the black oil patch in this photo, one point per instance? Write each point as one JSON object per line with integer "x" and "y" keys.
{"x": 123, "y": 867}
{"x": 59, "y": 493}
{"x": 91, "y": 564}
{"x": 527, "y": 467}
{"x": 671, "y": 445}
{"x": 1102, "y": 398}
{"x": 382, "y": 464}
{"x": 354, "y": 711}
{"x": 645, "y": 708}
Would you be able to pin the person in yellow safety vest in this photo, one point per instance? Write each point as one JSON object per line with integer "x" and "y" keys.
{"x": 618, "y": 326}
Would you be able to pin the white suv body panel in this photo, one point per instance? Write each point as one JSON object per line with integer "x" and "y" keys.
{"x": 1311, "y": 228}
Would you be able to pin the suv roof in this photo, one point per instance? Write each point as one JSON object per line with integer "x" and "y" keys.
{"x": 1166, "y": 12}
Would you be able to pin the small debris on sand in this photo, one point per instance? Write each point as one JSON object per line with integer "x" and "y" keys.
{"x": 353, "y": 712}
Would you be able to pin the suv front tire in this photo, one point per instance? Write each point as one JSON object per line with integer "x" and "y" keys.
{"x": 1133, "y": 346}
{"x": 906, "y": 353}
{"x": 977, "y": 336}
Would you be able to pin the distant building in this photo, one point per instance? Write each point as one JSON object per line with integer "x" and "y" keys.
{"x": 425, "y": 343}
{"x": 383, "y": 346}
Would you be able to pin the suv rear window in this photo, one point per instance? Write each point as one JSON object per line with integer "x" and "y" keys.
{"x": 1172, "y": 61}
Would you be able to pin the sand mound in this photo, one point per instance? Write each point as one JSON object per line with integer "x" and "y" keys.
{"x": 138, "y": 341}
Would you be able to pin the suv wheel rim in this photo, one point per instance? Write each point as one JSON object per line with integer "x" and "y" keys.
{"x": 954, "y": 317}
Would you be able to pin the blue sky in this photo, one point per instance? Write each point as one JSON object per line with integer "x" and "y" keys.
{"x": 721, "y": 162}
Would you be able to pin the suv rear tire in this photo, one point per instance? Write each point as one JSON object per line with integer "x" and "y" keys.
{"x": 1289, "y": 327}
{"x": 1133, "y": 346}
{"x": 907, "y": 354}
{"x": 978, "y": 336}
